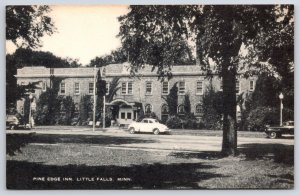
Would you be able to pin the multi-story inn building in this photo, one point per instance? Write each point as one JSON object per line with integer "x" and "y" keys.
{"x": 143, "y": 91}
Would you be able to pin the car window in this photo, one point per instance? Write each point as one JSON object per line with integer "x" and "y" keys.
{"x": 150, "y": 121}
{"x": 156, "y": 121}
{"x": 145, "y": 121}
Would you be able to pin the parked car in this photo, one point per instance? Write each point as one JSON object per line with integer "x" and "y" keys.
{"x": 276, "y": 131}
{"x": 148, "y": 125}
{"x": 12, "y": 122}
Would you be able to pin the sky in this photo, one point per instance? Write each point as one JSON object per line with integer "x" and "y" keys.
{"x": 83, "y": 32}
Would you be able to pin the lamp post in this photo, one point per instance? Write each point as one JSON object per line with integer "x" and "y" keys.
{"x": 29, "y": 117}
{"x": 281, "y": 107}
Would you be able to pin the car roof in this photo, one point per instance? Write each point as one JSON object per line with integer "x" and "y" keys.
{"x": 149, "y": 119}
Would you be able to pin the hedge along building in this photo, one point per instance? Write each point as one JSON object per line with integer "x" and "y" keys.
{"x": 141, "y": 92}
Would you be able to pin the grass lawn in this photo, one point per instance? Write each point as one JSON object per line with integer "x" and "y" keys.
{"x": 96, "y": 163}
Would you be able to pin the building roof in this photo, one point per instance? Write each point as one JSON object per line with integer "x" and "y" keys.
{"x": 110, "y": 70}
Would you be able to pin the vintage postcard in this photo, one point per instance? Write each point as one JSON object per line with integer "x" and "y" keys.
{"x": 150, "y": 96}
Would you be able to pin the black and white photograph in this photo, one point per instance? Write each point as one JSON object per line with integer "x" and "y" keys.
{"x": 150, "y": 97}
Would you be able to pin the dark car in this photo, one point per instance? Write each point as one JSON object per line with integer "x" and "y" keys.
{"x": 12, "y": 122}
{"x": 276, "y": 131}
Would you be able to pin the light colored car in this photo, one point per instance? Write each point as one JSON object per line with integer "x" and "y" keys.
{"x": 12, "y": 122}
{"x": 148, "y": 125}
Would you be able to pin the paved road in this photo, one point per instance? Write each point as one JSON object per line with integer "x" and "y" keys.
{"x": 149, "y": 142}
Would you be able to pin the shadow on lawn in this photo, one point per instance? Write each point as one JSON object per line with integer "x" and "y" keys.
{"x": 16, "y": 141}
{"x": 279, "y": 153}
{"x": 146, "y": 176}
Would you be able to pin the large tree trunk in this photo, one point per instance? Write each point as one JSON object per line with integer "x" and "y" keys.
{"x": 229, "y": 145}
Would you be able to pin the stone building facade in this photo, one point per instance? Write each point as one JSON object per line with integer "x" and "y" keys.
{"x": 144, "y": 91}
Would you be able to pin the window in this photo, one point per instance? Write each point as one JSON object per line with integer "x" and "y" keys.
{"x": 181, "y": 88}
{"x": 122, "y": 115}
{"x": 164, "y": 109}
{"x": 251, "y": 87}
{"x": 62, "y": 88}
{"x": 126, "y": 88}
{"x": 145, "y": 121}
{"x": 129, "y": 87}
{"x": 165, "y": 88}
{"x": 123, "y": 88}
{"x": 148, "y": 87}
{"x": 199, "y": 88}
{"x": 180, "y": 109}
{"x": 237, "y": 86}
{"x": 91, "y": 88}
{"x": 221, "y": 85}
{"x": 44, "y": 86}
{"x": 148, "y": 108}
{"x": 76, "y": 88}
{"x": 128, "y": 115}
{"x": 164, "y": 113}
{"x": 107, "y": 88}
{"x": 198, "y": 109}
{"x": 22, "y": 110}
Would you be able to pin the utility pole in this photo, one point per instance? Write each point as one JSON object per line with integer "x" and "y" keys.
{"x": 95, "y": 99}
{"x": 103, "y": 118}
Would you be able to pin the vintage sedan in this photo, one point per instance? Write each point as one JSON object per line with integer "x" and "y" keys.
{"x": 149, "y": 125}
{"x": 276, "y": 131}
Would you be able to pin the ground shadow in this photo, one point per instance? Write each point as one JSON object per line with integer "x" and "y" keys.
{"x": 20, "y": 175}
{"x": 16, "y": 141}
{"x": 279, "y": 153}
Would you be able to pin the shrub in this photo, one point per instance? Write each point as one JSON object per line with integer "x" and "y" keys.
{"x": 262, "y": 116}
{"x": 174, "y": 122}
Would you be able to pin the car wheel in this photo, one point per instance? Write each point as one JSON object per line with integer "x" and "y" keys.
{"x": 273, "y": 135}
{"x": 156, "y": 131}
{"x": 131, "y": 130}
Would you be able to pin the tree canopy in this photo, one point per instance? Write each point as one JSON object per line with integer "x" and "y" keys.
{"x": 150, "y": 34}
{"x": 25, "y": 25}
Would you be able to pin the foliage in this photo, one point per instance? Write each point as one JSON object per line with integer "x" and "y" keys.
{"x": 261, "y": 116}
{"x": 149, "y": 33}
{"x": 212, "y": 108}
{"x": 115, "y": 57}
{"x": 172, "y": 100}
{"x": 85, "y": 107}
{"x": 187, "y": 104}
{"x": 28, "y": 24}
{"x": 113, "y": 89}
{"x": 174, "y": 122}
{"x": 27, "y": 57}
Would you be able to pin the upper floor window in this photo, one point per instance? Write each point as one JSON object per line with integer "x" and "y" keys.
{"x": 76, "y": 88}
{"x": 44, "y": 86}
{"x": 62, "y": 88}
{"x": 199, "y": 88}
{"x": 91, "y": 88}
{"x": 237, "y": 86}
{"x": 126, "y": 88}
{"x": 181, "y": 87}
{"x": 251, "y": 87}
{"x": 148, "y": 87}
{"x": 165, "y": 88}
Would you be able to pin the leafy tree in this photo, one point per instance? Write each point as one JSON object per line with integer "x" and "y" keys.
{"x": 28, "y": 24}
{"x": 115, "y": 57}
{"x": 172, "y": 100}
{"x": 212, "y": 108}
{"x": 85, "y": 108}
{"x": 187, "y": 104}
{"x": 219, "y": 32}
{"x": 113, "y": 89}
{"x": 27, "y": 57}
